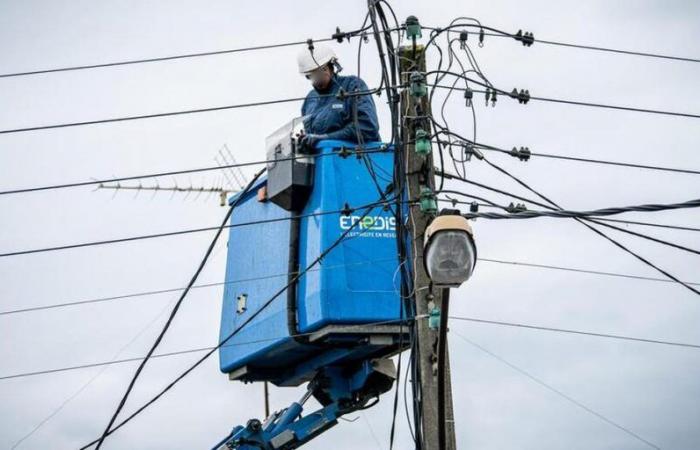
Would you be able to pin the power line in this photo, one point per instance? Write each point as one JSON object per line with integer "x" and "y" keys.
{"x": 105, "y": 363}
{"x": 92, "y": 379}
{"x": 595, "y": 230}
{"x": 534, "y": 202}
{"x": 619, "y": 51}
{"x": 585, "y": 222}
{"x": 250, "y": 318}
{"x": 356, "y": 151}
{"x": 572, "y": 102}
{"x": 179, "y": 302}
{"x": 600, "y": 49}
{"x": 296, "y": 99}
{"x": 169, "y": 354}
{"x": 617, "y": 163}
{"x": 564, "y": 330}
{"x": 560, "y": 213}
{"x": 649, "y": 224}
{"x": 160, "y": 58}
{"x": 295, "y": 43}
{"x": 151, "y": 116}
{"x": 175, "y": 113}
{"x": 175, "y": 233}
{"x": 503, "y": 216}
{"x": 616, "y": 107}
{"x": 171, "y": 290}
{"x": 514, "y": 153}
{"x": 208, "y": 285}
{"x": 489, "y": 204}
{"x": 559, "y": 393}
{"x": 583, "y": 271}
{"x": 470, "y": 319}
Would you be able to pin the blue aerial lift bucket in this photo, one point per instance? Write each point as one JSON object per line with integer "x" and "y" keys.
{"x": 347, "y": 308}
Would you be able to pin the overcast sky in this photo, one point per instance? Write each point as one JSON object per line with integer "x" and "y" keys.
{"x": 650, "y": 389}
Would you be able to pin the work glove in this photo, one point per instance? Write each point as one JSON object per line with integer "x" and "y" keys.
{"x": 309, "y": 141}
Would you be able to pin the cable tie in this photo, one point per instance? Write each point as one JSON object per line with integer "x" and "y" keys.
{"x": 468, "y": 96}
{"x": 346, "y": 211}
{"x": 344, "y": 152}
{"x": 339, "y": 35}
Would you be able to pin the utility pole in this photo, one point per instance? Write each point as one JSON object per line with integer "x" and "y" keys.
{"x": 414, "y": 112}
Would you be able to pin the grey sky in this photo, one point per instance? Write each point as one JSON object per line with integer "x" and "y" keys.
{"x": 653, "y": 390}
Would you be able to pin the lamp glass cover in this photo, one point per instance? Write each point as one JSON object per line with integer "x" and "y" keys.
{"x": 450, "y": 258}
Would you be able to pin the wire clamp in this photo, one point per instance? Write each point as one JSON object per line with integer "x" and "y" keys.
{"x": 516, "y": 208}
{"x": 470, "y": 149}
{"x": 340, "y": 35}
{"x": 344, "y": 152}
{"x": 468, "y": 96}
{"x": 523, "y": 96}
{"x": 463, "y": 36}
{"x": 523, "y": 154}
{"x": 526, "y": 38}
{"x": 347, "y": 210}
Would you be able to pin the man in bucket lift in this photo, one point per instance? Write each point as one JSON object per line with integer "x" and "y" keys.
{"x": 351, "y": 118}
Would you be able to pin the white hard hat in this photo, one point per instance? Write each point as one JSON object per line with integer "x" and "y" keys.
{"x": 311, "y": 59}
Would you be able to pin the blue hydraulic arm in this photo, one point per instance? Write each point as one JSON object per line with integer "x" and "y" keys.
{"x": 340, "y": 390}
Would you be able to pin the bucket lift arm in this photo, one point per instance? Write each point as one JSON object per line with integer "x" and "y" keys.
{"x": 340, "y": 390}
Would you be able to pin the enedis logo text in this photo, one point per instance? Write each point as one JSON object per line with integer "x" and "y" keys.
{"x": 373, "y": 223}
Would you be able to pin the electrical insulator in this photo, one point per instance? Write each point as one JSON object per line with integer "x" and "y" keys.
{"x": 413, "y": 28}
{"x": 428, "y": 202}
{"x": 418, "y": 87}
{"x": 434, "y": 318}
{"x": 422, "y": 142}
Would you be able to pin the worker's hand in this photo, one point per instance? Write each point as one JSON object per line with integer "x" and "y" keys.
{"x": 309, "y": 141}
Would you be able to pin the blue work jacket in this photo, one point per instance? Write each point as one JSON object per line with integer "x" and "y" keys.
{"x": 335, "y": 117}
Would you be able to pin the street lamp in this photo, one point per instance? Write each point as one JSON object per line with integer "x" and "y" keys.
{"x": 450, "y": 253}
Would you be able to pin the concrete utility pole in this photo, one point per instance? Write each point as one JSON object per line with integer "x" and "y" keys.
{"x": 414, "y": 111}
